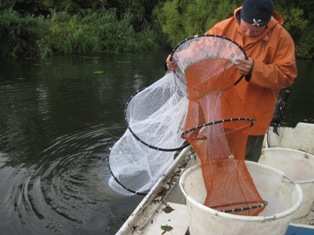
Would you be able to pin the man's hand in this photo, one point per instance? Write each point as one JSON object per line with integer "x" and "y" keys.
{"x": 245, "y": 66}
{"x": 170, "y": 64}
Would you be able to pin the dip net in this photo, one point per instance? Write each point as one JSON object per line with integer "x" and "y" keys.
{"x": 155, "y": 118}
{"x": 196, "y": 104}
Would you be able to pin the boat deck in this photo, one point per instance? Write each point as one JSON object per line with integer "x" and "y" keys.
{"x": 167, "y": 214}
{"x": 172, "y": 218}
{"x": 163, "y": 211}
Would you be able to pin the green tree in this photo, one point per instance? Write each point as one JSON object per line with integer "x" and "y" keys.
{"x": 19, "y": 35}
{"x": 181, "y": 18}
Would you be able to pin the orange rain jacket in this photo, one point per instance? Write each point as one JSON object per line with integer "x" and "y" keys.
{"x": 274, "y": 67}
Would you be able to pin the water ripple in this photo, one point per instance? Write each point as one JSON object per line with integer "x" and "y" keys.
{"x": 66, "y": 191}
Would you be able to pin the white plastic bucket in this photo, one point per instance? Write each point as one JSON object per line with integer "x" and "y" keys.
{"x": 283, "y": 196}
{"x": 298, "y": 166}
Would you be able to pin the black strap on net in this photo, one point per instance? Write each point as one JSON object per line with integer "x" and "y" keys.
{"x": 250, "y": 123}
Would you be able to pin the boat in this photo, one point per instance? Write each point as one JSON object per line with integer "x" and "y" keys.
{"x": 163, "y": 209}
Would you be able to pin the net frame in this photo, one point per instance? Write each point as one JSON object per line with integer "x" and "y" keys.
{"x": 185, "y": 144}
{"x": 121, "y": 184}
{"x": 214, "y": 36}
{"x": 254, "y": 206}
{"x": 174, "y": 149}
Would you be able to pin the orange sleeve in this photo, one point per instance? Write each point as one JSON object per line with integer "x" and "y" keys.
{"x": 212, "y": 31}
{"x": 282, "y": 72}
{"x": 217, "y": 29}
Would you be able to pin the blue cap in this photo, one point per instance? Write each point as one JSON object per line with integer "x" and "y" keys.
{"x": 257, "y": 12}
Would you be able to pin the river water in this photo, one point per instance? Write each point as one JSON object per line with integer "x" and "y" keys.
{"x": 58, "y": 120}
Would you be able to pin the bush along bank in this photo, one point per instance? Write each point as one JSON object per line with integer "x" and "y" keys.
{"x": 88, "y": 32}
{"x": 32, "y": 28}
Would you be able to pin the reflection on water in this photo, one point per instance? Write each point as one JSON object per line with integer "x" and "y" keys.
{"x": 58, "y": 120}
{"x": 57, "y": 123}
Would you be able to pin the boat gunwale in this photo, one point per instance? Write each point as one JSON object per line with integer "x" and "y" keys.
{"x": 152, "y": 201}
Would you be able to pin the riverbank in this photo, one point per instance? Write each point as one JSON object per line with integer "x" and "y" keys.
{"x": 90, "y": 32}
{"x": 39, "y": 29}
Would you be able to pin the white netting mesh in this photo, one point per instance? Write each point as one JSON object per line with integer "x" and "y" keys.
{"x": 200, "y": 48}
{"x": 156, "y": 115}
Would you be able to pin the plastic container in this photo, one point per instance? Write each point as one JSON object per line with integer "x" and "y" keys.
{"x": 298, "y": 166}
{"x": 284, "y": 197}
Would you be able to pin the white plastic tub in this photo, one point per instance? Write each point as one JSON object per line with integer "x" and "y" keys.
{"x": 284, "y": 198}
{"x": 298, "y": 166}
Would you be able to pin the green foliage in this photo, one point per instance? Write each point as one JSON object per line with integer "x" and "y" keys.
{"x": 45, "y": 27}
{"x": 32, "y": 28}
{"x": 94, "y": 32}
{"x": 5, "y": 4}
{"x": 305, "y": 46}
{"x": 62, "y": 33}
{"x": 19, "y": 35}
{"x": 294, "y": 20}
{"x": 139, "y": 11}
{"x": 181, "y": 18}
{"x": 299, "y": 22}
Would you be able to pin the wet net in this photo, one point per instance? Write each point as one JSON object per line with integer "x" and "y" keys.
{"x": 197, "y": 104}
{"x": 215, "y": 126}
{"x": 155, "y": 118}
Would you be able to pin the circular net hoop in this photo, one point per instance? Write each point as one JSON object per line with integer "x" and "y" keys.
{"x": 204, "y": 58}
{"x": 242, "y": 124}
{"x": 157, "y": 115}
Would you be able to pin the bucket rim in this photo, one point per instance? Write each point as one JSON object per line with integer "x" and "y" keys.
{"x": 213, "y": 212}
{"x": 310, "y": 155}
{"x": 287, "y": 149}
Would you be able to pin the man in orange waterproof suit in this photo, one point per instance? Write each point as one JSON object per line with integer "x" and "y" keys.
{"x": 270, "y": 67}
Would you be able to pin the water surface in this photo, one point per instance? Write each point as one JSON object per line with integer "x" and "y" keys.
{"x": 57, "y": 122}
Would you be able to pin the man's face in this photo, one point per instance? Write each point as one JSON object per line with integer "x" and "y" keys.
{"x": 250, "y": 30}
